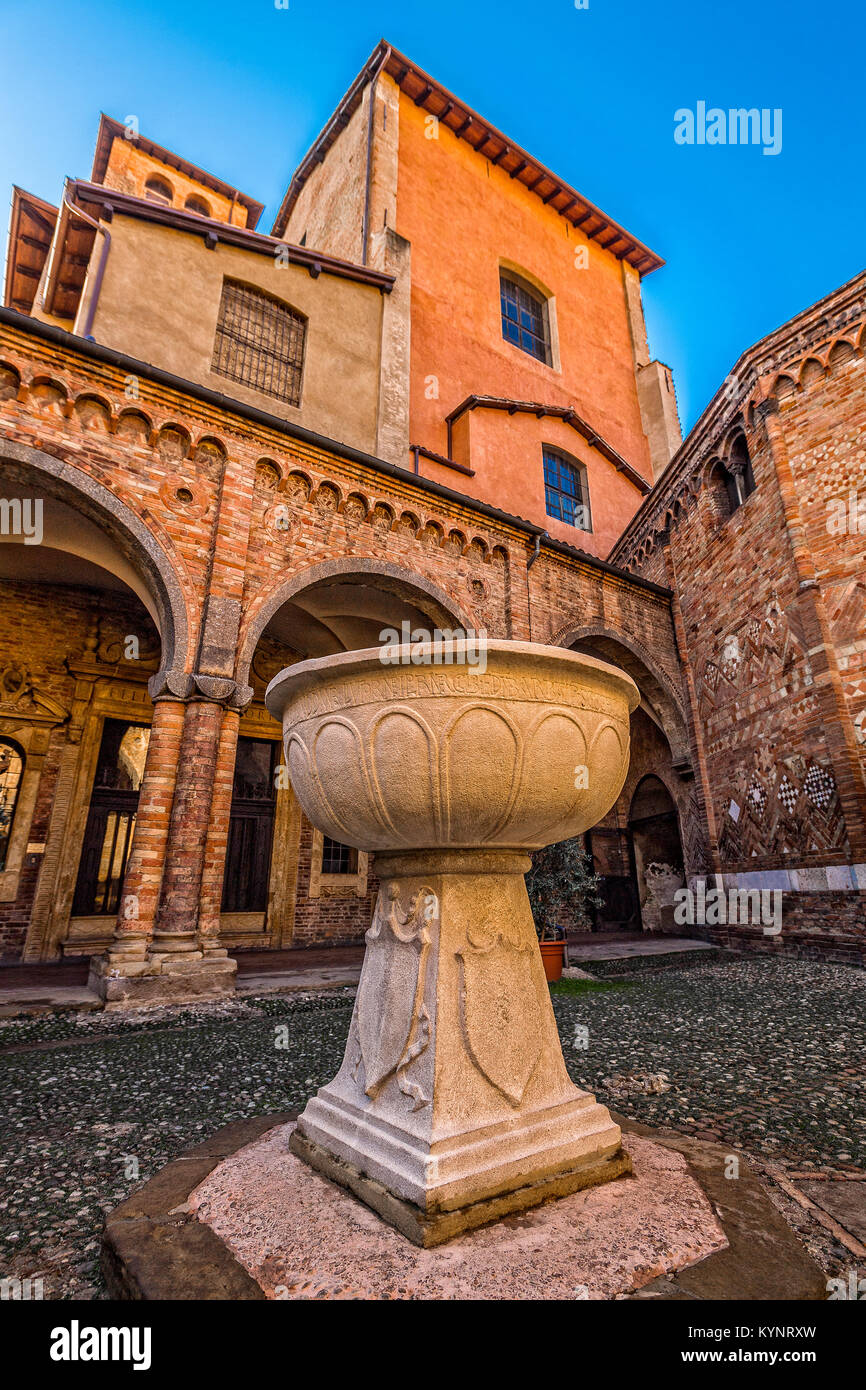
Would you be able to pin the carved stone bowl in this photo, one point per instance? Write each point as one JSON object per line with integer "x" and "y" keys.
{"x": 528, "y": 751}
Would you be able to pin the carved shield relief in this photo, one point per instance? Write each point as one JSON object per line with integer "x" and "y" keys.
{"x": 393, "y": 1026}
{"x": 500, "y": 1013}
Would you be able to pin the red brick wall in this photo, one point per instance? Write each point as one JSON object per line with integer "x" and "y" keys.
{"x": 258, "y": 508}
{"x": 773, "y": 607}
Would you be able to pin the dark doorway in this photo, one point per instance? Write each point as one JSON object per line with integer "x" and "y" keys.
{"x": 612, "y": 860}
{"x": 654, "y": 830}
{"x": 111, "y": 819}
{"x": 251, "y": 827}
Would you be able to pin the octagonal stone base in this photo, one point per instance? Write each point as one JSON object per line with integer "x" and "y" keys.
{"x": 430, "y": 1228}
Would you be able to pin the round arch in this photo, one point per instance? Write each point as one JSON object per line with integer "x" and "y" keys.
{"x": 442, "y": 610}
{"x": 654, "y": 829}
{"x": 659, "y": 700}
{"x": 137, "y": 544}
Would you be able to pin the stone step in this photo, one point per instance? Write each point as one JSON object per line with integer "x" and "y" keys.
{"x": 634, "y": 957}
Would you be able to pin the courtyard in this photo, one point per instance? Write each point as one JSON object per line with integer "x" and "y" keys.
{"x": 761, "y": 1055}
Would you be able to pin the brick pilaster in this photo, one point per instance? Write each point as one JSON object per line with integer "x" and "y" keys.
{"x": 705, "y": 798}
{"x": 141, "y": 886}
{"x": 218, "y": 834}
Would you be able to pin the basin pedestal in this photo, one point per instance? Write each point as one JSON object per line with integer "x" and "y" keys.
{"x": 453, "y": 1095}
{"x": 453, "y": 1105}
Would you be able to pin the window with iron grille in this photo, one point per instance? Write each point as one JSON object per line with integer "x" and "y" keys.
{"x": 337, "y": 858}
{"x": 525, "y": 320}
{"x": 566, "y": 491}
{"x": 259, "y": 342}
{"x": 158, "y": 191}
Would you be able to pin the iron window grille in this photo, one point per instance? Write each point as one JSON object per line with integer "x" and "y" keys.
{"x": 566, "y": 491}
{"x": 337, "y": 858}
{"x": 525, "y": 321}
{"x": 259, "y": 342}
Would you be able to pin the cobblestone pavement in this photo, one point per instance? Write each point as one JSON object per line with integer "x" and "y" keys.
{"x": 764, "y": 1055}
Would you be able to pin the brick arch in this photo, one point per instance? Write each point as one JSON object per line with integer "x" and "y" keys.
{"x": 136, "y": 541}
{"x": 659, "y": 698}
{"x": 442, "y": 608}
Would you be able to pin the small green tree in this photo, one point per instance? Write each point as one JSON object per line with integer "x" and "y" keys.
{"x": 562, "y": 883}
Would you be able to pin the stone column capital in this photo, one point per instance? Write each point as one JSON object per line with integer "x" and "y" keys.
{"x": 197, "y": 686}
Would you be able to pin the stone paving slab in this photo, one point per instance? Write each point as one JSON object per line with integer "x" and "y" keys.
{"x": 26, "y": 1001}
{"x": 763, "y": 1056}
{"x": 647, "y": 946}
{"x": 844, "y": 1201}
{"x": 763, "y": 1261}
{"x": 304, "y": 1239}
{"x": 300, "y": 1236}
{"x": 334, "y": 978}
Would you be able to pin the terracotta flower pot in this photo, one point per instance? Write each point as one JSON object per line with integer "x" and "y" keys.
{"x": 551, "y": 959}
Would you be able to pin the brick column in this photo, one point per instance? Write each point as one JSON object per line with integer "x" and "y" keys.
{"x": 217, "y": 836}
{"x": 703, "y": 787}
{"x": 835, "y": 715}
{"x": 177, "y": 916}
{"x": 141, "y": 885}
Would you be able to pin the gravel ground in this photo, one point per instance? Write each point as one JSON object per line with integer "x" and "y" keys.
{"x": 764, "y": 1055}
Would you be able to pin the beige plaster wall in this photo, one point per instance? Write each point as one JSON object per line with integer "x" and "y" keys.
{"x": 160, "y": 300}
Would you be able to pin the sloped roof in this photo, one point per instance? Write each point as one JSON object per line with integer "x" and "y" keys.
{"x": 31, "y": 227}
{"x": 111, "y": 130}
{"x": 489, "y": 142}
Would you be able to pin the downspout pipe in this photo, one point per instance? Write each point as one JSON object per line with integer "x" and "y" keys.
{"x": 539, "y": 537}
{"x": 371, "y": 116}
{"x": 87, "y": 326}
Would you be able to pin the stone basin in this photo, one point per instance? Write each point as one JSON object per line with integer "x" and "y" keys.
{"x": 390, "y": 758}
{"x": 453, "y": 1105}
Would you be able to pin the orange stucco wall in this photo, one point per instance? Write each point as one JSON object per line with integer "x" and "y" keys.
{"x": 129, "y": 168}
{"x": 463, "y": 218}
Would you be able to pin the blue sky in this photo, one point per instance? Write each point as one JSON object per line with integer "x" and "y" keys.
{"x": 243, "y": 88}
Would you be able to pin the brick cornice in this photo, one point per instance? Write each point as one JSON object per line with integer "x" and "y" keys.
{"x": 751, "y": 381}
{"x": 223, "y": 414}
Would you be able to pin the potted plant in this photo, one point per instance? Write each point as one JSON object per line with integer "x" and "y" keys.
{"x": 562, "y": 887}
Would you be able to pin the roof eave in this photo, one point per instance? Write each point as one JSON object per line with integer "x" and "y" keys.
{"x": 108, "y": 201}
{"x": 508, "y": 156}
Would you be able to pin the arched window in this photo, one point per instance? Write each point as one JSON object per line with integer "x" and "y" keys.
{"x": 259, "y": 342}
{"x": 566, "y": 490}
{"x": 11, "y": 768}
{"x": 730, "y": 483}
{"x": 198, "y": 206}
{"x": 525, "y": 319}
{"x": 158, "y": 191}
{"x": 740, "y": 469}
